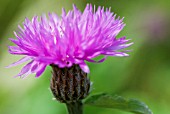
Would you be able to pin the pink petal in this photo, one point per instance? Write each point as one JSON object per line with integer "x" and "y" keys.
{"x": 26, "y": 68}
{"x": 24, "y": 59}
{"x": 84, "y": 67}
{"x": 41, "y": 70}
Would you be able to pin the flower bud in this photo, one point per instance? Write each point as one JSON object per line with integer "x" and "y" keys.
{"x": 69, "y": 84}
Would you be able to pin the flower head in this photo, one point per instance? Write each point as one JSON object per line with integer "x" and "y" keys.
{"x": 72, "y": 38}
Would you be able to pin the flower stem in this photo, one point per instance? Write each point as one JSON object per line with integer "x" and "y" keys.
{"x": 75, "y": 107}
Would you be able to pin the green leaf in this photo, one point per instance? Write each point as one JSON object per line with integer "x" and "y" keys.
{"x": 118, "y": 102}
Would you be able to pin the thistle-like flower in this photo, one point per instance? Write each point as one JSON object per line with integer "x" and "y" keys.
{"x": 68, "y": 40}
{"x": 65, "y": 43}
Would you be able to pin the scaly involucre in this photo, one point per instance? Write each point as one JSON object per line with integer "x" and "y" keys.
{"x": 73, "y": 38}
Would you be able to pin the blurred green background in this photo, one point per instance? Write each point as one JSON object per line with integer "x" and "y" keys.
{"x": 144, "y": 75}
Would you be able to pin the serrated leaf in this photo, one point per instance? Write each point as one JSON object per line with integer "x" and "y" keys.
{"x": 118, "y": 102}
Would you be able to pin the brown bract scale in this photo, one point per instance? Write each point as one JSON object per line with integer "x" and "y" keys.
{"x": 69, "y": 84}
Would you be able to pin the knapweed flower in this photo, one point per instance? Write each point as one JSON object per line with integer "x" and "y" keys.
{"x": 69, "y": 39}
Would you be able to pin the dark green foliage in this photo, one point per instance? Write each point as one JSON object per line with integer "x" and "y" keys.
{"x": 118, "y": 102}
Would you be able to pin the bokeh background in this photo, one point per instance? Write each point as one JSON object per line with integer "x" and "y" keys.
{"x": 144, "y": 75}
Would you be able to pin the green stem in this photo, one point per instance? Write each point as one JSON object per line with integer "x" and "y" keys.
{"x": 75, "y": 107}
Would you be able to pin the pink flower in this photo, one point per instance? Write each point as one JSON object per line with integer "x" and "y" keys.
{"x": 73, "y": 38}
